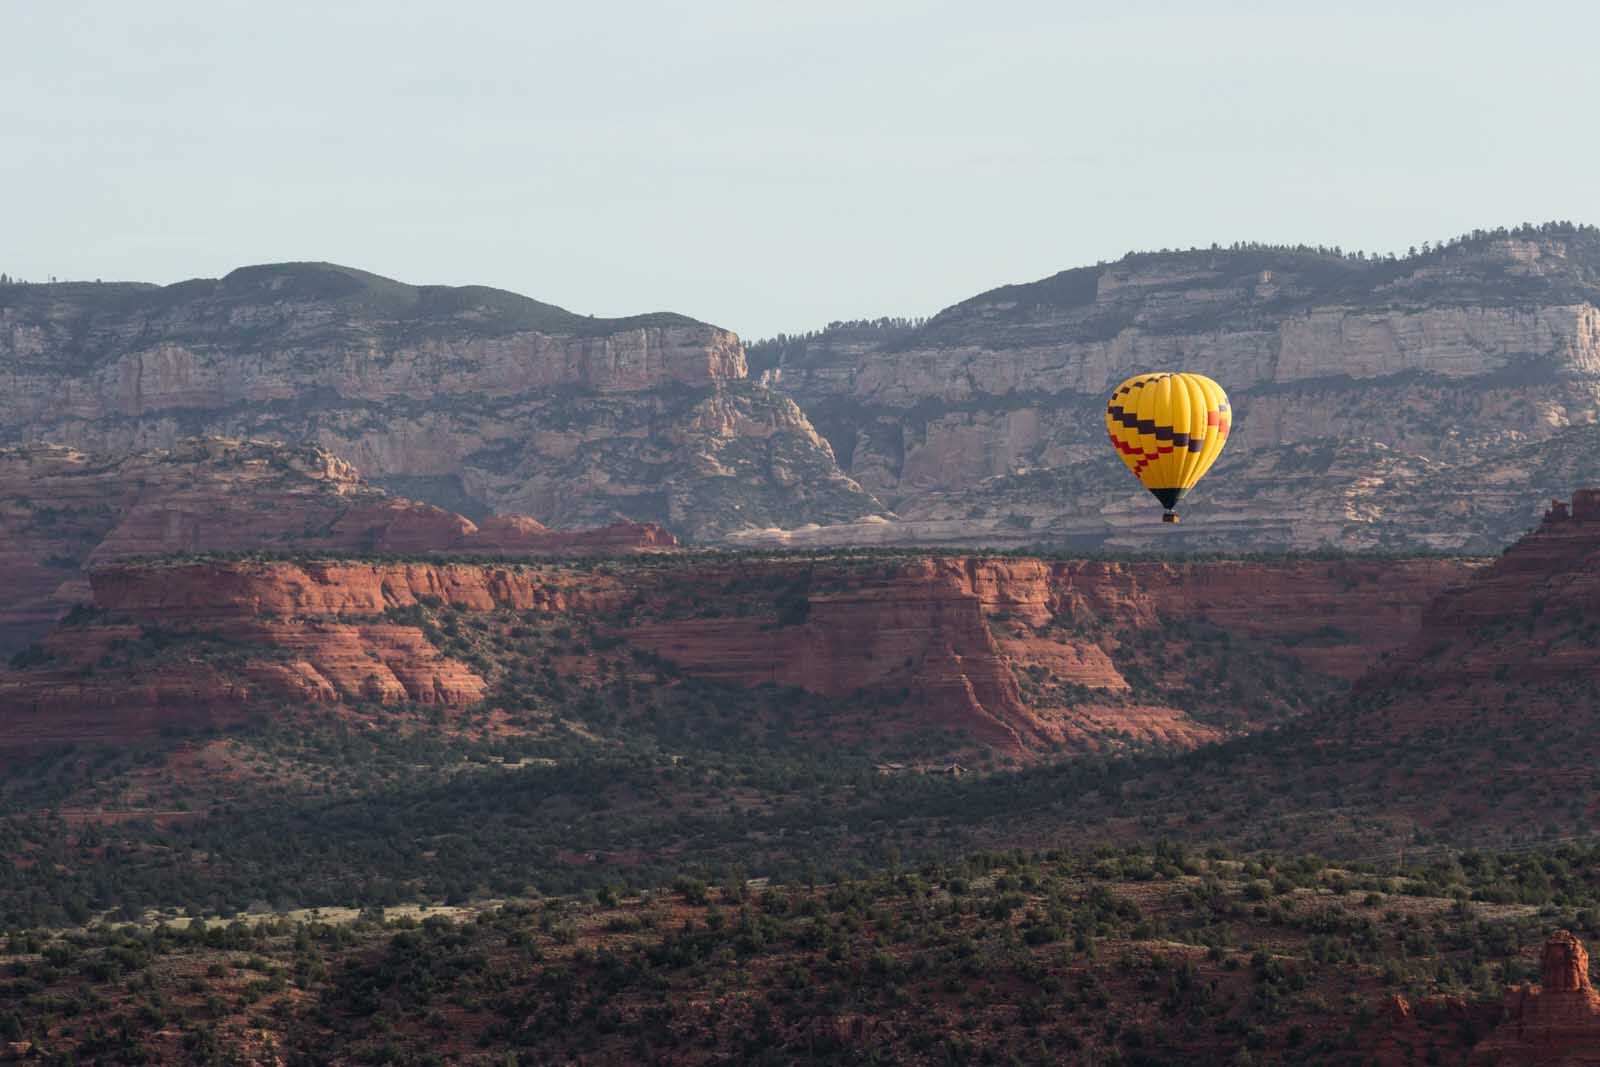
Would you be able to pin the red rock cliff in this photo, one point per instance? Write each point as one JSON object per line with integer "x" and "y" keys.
{"x": 956, "y": 632}
{"x": 1524, "y": 625}
{"x": 62, "y": 510}
{"x": 207, "y": 590}
{"x": 1009, "y": 652}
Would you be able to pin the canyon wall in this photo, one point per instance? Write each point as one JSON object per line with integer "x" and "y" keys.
{"x": 1476, "y": 728}
{"x": 1397, "y": 404}
{"x": 1378, "y": 404}
{"x": 1015, "y": 654}
{"x": 472, "y": 398}
{"x": 63, "y": 511}
{"x": 1517, "y": 644}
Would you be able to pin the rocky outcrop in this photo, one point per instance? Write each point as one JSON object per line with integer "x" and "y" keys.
{"x": 480, "y": 399}
{"x": 1019, "y": 655}
{"x": 191, "y": 644}
{"x": 204, "y": 591}
{"x": 1024, "y": 652}
{"x": 1481, "y": 726}
{"x": 1553, "y": 1024}
{"x": 1378, "y": 403}
{"x": 518, "y": 535}
{"x": 1564, "y": 972}
{"x": 63, "y": 510}
{"x": 115, "y": 684}
{"x": 1526, "y": 622}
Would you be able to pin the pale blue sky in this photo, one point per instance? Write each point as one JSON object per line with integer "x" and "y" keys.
{"x": 773, "y": 166}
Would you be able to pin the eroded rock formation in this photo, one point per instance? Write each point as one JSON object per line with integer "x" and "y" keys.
{"x": 1421, "y": 402}
{"x": 1553, "y": 1024}
{"x": 63, "y": 510}
{"x": 474, "y": 398}
{"x": 1523, "y": 630}
{"x": 1393, "y": 404}
{"x": 203, "y": 591}
{"x": 1020, "y": 655}
{"x": 207, "y": 643}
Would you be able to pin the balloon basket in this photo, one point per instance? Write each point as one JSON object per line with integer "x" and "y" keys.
{"x": 1169, "y": 516}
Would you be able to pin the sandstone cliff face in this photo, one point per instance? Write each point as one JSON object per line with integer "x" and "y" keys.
{"x": 1481, "y": 725}
{"x": 1020, "y": 653}
{"x": 173, "y": 376}
{"x": 193, "y": 644}
{"x": 62, "y": 510}
{"x": 1528, "y": 623}
{"x": 1017, "y": 655}
{"x": 474, "y": 395}
{"x": 985, "y": 425}
{"x": 95, "y": 690}
{"x": 1393, "y": 404}
{"x": 207, "y": 590}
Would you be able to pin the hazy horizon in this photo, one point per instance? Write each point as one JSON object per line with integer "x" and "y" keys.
{"x": 771, "y": 171}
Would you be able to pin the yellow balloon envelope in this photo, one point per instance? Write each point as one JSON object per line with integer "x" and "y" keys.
{"x": 1169, "y": 429}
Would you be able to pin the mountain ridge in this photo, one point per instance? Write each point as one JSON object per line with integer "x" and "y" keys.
{"x": 481, "y": 400}
{"x": 1371, "y": 392}
{"x": 983, "y": 424}
{"x": 293, "y": 281}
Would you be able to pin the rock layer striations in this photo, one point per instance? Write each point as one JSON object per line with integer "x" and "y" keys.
{"x": 473, "y": 398}
{"x": 63, "y": 510}
{"x": 1413, "y": 403}
{"x": 1018, "y": 655}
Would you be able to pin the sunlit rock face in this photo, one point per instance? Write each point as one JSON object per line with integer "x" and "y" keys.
{"x": 474, "y": 399}
{"x": 1029, "y": 658}
{"x": 64, "y": 511}
{"x": 1419, "y": 403}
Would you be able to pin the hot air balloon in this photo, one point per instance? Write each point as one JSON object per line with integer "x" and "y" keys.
{"x": 1169, "y": 429}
